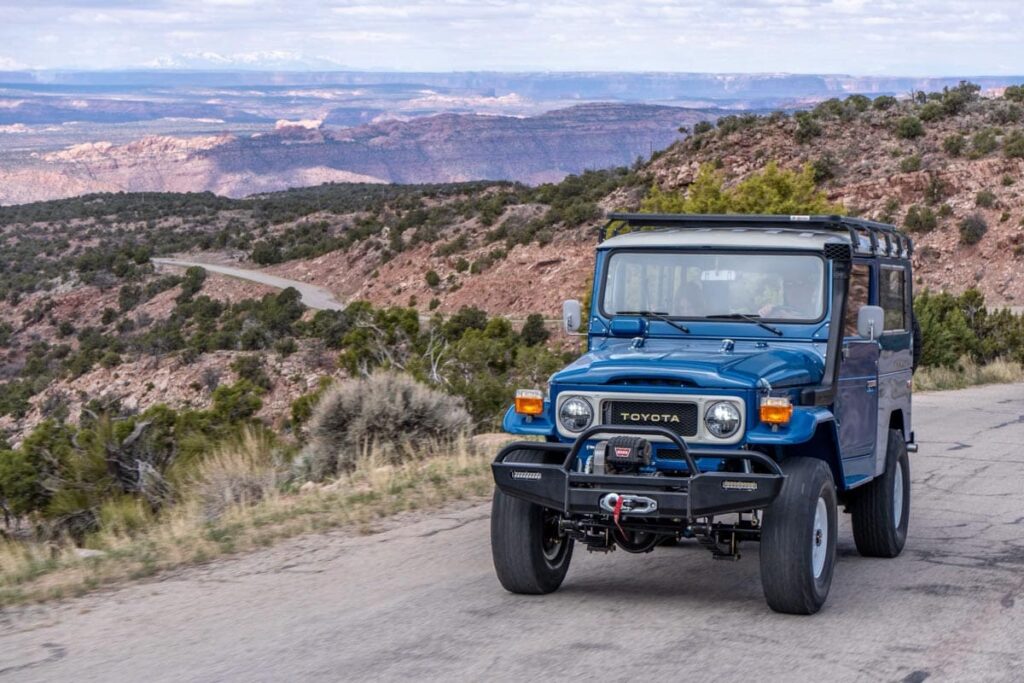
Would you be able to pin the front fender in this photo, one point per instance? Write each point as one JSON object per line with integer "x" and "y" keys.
{"x": 801, "y": 428}
{"x": 535, "y": 425}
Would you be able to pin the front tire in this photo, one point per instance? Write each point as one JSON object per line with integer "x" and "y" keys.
{"x": 798, "y": 539}
{"x": 881, "y": 510}
{"x": 531, "y": 556}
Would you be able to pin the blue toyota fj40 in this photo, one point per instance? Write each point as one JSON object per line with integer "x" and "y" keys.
{"x": 744, "y": 376}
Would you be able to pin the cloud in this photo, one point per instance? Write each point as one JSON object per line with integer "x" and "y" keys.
{"x": 905, "y": 36}
{"x": 9, "y": 64}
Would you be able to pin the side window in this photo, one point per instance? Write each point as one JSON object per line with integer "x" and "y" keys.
{"x": 860, "y": 285}
{"x": 891, "y": 297}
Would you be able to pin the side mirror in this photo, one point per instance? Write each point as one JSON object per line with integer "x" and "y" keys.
{"x": 572, "y": 316}
{"x": 870, "y": 321}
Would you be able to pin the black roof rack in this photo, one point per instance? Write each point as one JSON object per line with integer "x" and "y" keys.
{"x": 859, "y": 230}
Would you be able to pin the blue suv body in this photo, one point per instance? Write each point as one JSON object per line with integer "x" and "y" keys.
{"x": 732, "y": 364}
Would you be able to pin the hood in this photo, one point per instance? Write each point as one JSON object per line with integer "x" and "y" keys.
{"x": 697, "y": 364}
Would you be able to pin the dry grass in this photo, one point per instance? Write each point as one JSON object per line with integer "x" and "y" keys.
{"x": 967, "y": 374}
{"x": 186, "y": 534}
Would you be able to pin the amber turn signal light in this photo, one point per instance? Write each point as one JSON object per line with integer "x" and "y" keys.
{"x": 529, "y": 402}
{"x": 776, "y": 410}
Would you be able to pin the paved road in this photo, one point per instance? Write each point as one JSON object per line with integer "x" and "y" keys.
{"x": 419, "y": 600}
{"x": 313, "y": 296}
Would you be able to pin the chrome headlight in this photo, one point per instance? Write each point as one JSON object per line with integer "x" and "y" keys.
{"x": 722, "y": 419}
{"x": 575, "y": 414}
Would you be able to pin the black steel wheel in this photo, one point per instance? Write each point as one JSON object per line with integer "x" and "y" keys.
{"x": 531, "y": 555}
{"x": 881, "y": 509}
{"x": 798, "y": 539}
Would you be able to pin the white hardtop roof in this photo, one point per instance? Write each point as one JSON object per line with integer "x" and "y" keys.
{"x": 726, "y": 237}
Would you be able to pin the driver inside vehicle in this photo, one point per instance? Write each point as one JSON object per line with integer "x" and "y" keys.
{"x": 801, "y": 294}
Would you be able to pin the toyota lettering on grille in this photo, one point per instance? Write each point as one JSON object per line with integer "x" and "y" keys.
{"x": 649, "y": 417}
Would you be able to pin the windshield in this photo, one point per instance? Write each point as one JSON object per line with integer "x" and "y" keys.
{"x": 780, "y": 287}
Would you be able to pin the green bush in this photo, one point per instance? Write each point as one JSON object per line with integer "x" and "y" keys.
{"x": 932, "y": 111}
{"x": 909, "y": 127}
{"x": 954, "y": 144}
{"x": 433, "y": 279}
{"x": 1014, "y": 93}
{"x": 1013, "y": 145}
{"x": 984, "y": 142}
{"x": 883, "y": 102}
{"x": 702, "y": 127}
{"x": 806, "y": 127}
{"x": 773, "y": 190}
{"x": 920, "y": 219}
{"x": 534, "y": 331}
{"x": 910, "y": 163}
{"x": 972, "y": 229}
{"x": 985, "y": 199}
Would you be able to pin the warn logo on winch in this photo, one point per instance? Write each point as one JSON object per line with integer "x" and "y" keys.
{"x": 649, "y": 417}
{"x": 622, "y": 452}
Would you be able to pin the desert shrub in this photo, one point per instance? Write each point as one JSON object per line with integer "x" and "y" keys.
{"x": 1006, "y": 114}
{"x": 241, "y": 471}
{"x": 824, "y": 168}
{"x": 910, "y": 163}
{"x": 806, "y": 127}
{"x": 773, "y": 190}
{"x": 1013, "y": 145}
{"x": 1014, "y": 93}
{"x": 390, "y": 413}
{"x": 985, "y": 199}
{"x": 191, "y": 283}
{"x": 931, "y": 111}
{"x": 954, "y": 100}
{"x": 909, "y": 127}
{"x": 883, "y": 102}
{"x": 954, "y": 144}
{"x": 972, "y": 229}
{"x": 858, "y": 102}
{"x": 935, "y": 190}
{"x": 984, "y": 142}
{"x": 250, "y": 367}
{"x": 702, "y": 127}
{"x": 920, "y": 219}
{"x": 432, "y": 278}
{"x": 534, "y": 331}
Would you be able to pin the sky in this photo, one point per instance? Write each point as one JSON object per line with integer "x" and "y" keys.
{"x": 887, "y": 37}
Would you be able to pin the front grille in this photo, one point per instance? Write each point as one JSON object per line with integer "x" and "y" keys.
{"x": 680, "y": 418}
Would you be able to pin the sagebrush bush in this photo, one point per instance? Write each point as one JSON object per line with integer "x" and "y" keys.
{"x": 386, "y": 412}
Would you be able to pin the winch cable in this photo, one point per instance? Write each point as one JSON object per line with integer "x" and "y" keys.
{"x": 617, "y": 513}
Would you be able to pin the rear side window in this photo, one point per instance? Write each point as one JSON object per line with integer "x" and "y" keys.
{"x": 892, "y": 287}
{"x": 860, "y": 286}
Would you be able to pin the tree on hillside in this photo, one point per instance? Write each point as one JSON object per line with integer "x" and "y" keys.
{"x": 771, "y": 191}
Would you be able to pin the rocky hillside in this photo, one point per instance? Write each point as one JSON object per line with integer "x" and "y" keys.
{"x": 443, "y": 148}
{"x": 927, "y": 164}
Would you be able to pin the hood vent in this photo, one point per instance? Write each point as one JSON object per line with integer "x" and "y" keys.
{"x": 651, "y": 382}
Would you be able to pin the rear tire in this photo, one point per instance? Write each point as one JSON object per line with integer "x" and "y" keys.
{"x": 798, "y": 539}
{"x": 530, "y": 555}
{"x": 881, "y": 509}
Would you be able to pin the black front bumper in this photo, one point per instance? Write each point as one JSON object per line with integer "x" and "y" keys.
{"x": 552, "y": 484}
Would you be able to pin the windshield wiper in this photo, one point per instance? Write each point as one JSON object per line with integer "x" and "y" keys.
{"x": 657, "y": 315}
{"x": 756, "y": 319}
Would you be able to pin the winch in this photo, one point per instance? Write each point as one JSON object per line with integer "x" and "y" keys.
{"x": 621, "y": 455}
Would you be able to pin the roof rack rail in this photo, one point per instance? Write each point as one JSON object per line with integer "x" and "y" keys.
{"x": 866, "y": 237}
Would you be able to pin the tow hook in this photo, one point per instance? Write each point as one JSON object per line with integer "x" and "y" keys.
{"x": 628, "y": 504}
